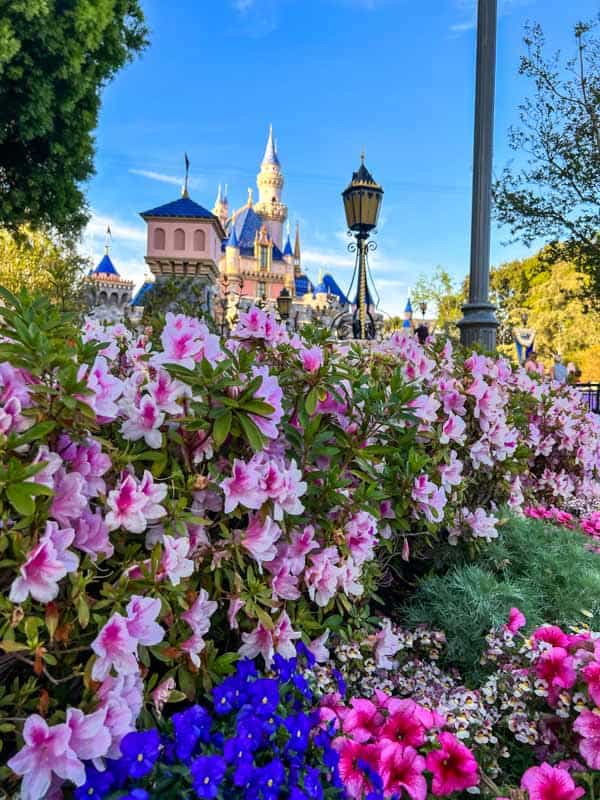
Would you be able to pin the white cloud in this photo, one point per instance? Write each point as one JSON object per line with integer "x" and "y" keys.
{"x": 324, "y": 259}
{"x": 96, "y": 229}
{"x": 193, "y": 182}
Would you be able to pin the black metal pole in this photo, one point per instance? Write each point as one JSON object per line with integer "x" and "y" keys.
{"x": 479, "y": 322}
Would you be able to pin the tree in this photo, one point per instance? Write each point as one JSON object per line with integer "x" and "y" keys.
{"x": 40, "y": 263}
{"x": 55, "y": 57}
{"x": 441, "y": 291}
{"x": 556, "y": 194}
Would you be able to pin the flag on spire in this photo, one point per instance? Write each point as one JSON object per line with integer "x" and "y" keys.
{"x": 185, "y": 192}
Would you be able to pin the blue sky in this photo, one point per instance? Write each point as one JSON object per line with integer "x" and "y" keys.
{"x": 395, "y": 77}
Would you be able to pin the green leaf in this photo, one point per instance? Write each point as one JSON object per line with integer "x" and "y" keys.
{"x": 259, "y": 407}
{"x": 222, "y": 427}
{"x": 39, "y": 431}
{"x": 186, "y": 682}
{"x": 12, "y": 647}
{"x": 19, "y": 496}
{"x": 312, "y": 398}
{"x": 251, "y": 432}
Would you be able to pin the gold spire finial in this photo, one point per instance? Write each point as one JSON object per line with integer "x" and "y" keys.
{"x": 362, "y": 156}
{"x": 184, "y": 191}
{"x": 250, "y": 197}
{"x": 107, "y": 240}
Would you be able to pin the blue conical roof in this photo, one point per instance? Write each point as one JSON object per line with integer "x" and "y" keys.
{"x": 141, "y": 293}
{"x": 328, "y": 285}
{"x": 270, "y": 156}
{"x": 287, "y": 250}
{"x": 182, "y": 207}
{"x": 409, "y": 308}
{"x": 233, "y": 239}
{"x": 106, "y": 267}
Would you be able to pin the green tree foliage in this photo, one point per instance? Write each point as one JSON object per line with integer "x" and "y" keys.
{"x": 44, "y": 265}
{"x": 555, "y": 195}
{"x": 441, "y": 291}
{"x": 55, "y": 57}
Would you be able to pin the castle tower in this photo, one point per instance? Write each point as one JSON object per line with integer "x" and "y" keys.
{"x": 108, "y": 294}
{"x": 408, "y": 315}
{"x": 288, "y": 253}
{"x": 221, "y": 206}
{"x": 184, "y": 241}
{"x": 232, "y": 255}
{"x": 270, "y": 185}
{"x": 297, "y": 255}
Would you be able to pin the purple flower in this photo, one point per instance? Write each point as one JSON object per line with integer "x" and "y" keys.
{"x": 264, "y": 696}
{"x": 140, "y": 751}
{"x": 207, "y": 774}
{"x": 228, "y": 696}
{"x": 97, "y": 784}
{"x": 136, "y": 794}
{"x": 190, "y": 726}
{"x": 298, "y": 726}
{"x": 313, "y": 784}
{"x": 271, "y": 778}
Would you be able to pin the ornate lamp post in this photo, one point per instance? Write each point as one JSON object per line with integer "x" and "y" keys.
{"x": 284, "y": 304}
{"x": 479, "y": 322}
{"x": 362, "y": 203}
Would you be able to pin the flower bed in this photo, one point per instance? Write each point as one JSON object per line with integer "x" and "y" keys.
{"x": 171, "y": 502}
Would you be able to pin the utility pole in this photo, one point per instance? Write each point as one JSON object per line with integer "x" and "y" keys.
{"x": 479, "y": 323}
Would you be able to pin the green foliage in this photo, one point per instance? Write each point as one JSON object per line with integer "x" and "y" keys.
{"x": 54, "y": 60}
{"x": 555, "y": 194}
{"x": 545, "y": 571}
{"x": 441, "y": 291}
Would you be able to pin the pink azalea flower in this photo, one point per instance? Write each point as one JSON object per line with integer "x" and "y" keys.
{"x": 106, "y": 389}
{"x": 284, "y": 636}
{"x": 287, "y": 498}
{"x": 361, "y": 534}
{"x": 516, "y": 620}
{"x": 453, "y": 430}
{"x": 122, "y": 698}
{"x": 284, "y": 585}
{"x": 483, "y": 526}
{"x": 161, "y": 694}
{"x": 185, "y": 341}
{"x": 46, "y": 753}
{"x": 587, "y": 725}
{"x": 167, "y": 391}
{"x": 198, "y": 618}
{"x": 39, "y": 575}
{"x": 174, "y": 563}
{"x": 386, "y": 647}
{"x": 62, "y": 538}
{"x": 322, "y": 576}
{"x": 115, "y": 648}
{"x": 271, "y": 392}
{"x": 243, "y": 487}
{"x": 88, "y": 460}
{"x": 89, "y": 736}
{"x": 258, "y": 642}
{"x": 425, "y": 407}
{"x": 318, "y": 649}
{"x": 69, "y": 497}
{"x": 125, "y": 507}
{"x": 91, "y": 535}
{"x": 154, "y": 494}
{"x": 451, "y": 474}
{"x": 312, "y": 358}
{"x": 143, "y": 422}
{"x": 431, "y": 499}
{"x": 260, "y": 537}
{"x": 302, "y": 543}
{"x": 235, "y": 606}
{"x": 401, "y": 770}
{"x": 549, "y": 783}
{"x": 454, "y": 767}
{"x": 349, "y": 578}
{"x": 142, "y": 613}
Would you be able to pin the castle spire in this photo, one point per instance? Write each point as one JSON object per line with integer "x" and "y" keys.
{"x": 184, "y": 192}
{"x": 107, "y": 240}
{"x": 270, "y": 156}
{"x": 219, "y": 199}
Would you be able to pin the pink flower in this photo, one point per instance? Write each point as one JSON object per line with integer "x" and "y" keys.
{"x": 555, "y": 666}
{"x": 126, "y": 504}
{"x": 69, "y": 497}
{"x": 386, "y": 647}
{"x": 363, "y": 722}
{"x": 516, "y": 620}
{"x": 318, "y": 649}
{"x": 46, "y": 753}
{"x": 284, "y": 636}
{"x": 425, "y": 407}
{"x": 174, "y": 563}
{"x": 39, "y": 575}
{"x": 587, "y": 725}
{"x": 91, "y": 535}
{"x": 401, "y": 769}
{"x": 591, "y": 674}
{"x": 453, "y": 430}
{"x": 360, "y": 534}
{"x": 88, "y": 460}
{"x": 302, "y": 543}
{"x": 122, "y": 698}
{"x": 142, "y": 613}
{"x": 162, "y": 693}
{"x": 430, "y": 499}
{"x": 243, "y": 487}
{"x": 235, "y": 606}
{"x": 143, "y": 422}
{"x": 89, "y": 736}
{"x": 154, "y": 494}
{"x": 270, "y": 392}
{"x": 260, "y": 537}
{"x": 451, "y": 473}
{"x": 322, "y": 576}
{"x": 115, "y": 648}
{"x": 549, "y": 783}
{"x": 551, "y": 634}
{"x": 258, "y": 642}
{"x": 403, "y": 724}
{"x": 352, "y": 754}
{"x": 198, "y": 618}
{"x": 105, "y": 388}
{"x": 454, "y": 767}
{"x": 312, "y": 359}
{"x": 166, "y": 391}
{"x": 185, "y": 341}
{"x": 483, "y": 526}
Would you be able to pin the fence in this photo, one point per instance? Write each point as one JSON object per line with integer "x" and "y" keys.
{"x": 591, "y": 394}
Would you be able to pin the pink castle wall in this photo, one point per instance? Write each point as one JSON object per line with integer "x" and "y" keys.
{"x": 212, "y": 243}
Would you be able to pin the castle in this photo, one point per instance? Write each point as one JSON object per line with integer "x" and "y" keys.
{"x": 237, "y": 258}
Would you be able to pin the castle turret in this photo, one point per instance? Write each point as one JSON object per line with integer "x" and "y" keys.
{"x": 297, "y": 255}
{"x": 408, "y": 315}
{"x": 232, "y": 254}
{"x": 270, "y": 186}
{"x": 288, "y": 253}
{"x": 221, "y": 206}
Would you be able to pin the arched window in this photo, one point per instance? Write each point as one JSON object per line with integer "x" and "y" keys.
{"x": 124, "y": 299}
{"x": 114, "y": 299}
{"x": 199, "y": 240}
{"x": 159, "y": 239}
{"x": 179, "y": 239}
{"x": 263, "y": 257}
{"x": 103, "y": 297}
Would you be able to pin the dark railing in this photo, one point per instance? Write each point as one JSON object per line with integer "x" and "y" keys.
{"x": 590, "y": 392}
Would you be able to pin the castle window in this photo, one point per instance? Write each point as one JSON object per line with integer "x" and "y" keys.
{"x": 103, "y": 297}
{"x": 114, "y": 299}
{"x": 159, "y": 239}
{"x": 124, "y": 299}
{"x": 199, "y": 240}
{"x": 179, "y": 239}
{"x": 262, "y": 289}
{"x": 263, "y": 257}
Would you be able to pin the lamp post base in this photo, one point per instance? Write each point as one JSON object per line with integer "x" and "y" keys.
{"x": 478, "y": 326}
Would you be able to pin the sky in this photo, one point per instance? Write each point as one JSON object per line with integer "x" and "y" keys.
{"x": 393, "y": 77}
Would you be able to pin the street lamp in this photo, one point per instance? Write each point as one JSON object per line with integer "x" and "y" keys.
{"x": 362, "y": 203}
{"x": 284, "y": 304}
{"x": 423, "y": 307}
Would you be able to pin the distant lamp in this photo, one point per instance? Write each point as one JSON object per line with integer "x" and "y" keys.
{"x": 423, "y": 307}
{"x": 284, "y": 304}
